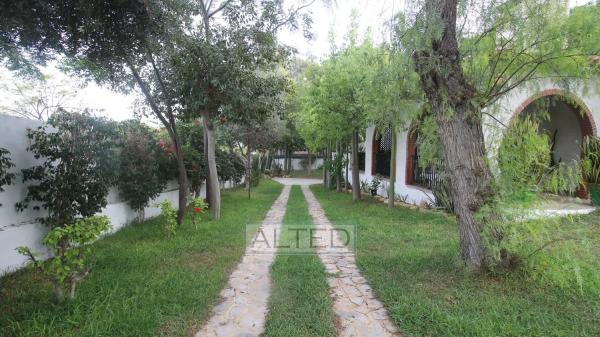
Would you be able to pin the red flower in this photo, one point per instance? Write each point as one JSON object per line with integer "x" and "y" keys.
{"x": 161, "y": 144}
{"x": 197, "y": 210}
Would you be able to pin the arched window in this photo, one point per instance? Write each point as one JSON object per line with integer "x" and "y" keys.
{"x": 382, "y": 153}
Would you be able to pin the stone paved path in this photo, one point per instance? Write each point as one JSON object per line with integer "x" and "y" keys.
{"x": 358, "y": 312}
{"x": 244, "y": 303}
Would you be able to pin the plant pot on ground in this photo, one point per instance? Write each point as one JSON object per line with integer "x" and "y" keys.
{"x": 374, "y": 186}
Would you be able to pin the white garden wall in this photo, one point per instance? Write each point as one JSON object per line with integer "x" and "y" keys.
{"x": 296, "y": 163}
{"x": 20, "y": 228}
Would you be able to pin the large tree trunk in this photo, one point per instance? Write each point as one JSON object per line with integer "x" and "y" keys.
{"x": 355, "y": 169}
{"x": 458, "y": 118}
{"x": 392, "y": 187}
{"x": 213, "y": 190}
{"x": 207, "y": 178}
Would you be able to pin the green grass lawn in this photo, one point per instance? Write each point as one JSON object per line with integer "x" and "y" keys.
{"x": 144, "y": 283}
{"x": 299, "y": 305}
{"x": 410, "y": 259}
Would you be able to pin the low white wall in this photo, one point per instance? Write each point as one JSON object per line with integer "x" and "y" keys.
{"x": 21, "y": 228}
{"x": 296, "y": 163}
{"x": 414, "y": 194}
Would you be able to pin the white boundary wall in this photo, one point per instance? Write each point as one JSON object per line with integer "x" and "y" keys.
{"x": 20, "y": 228}
{"x": 296, "y": 163}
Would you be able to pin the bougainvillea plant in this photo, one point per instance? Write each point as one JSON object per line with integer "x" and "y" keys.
{"x": 70, "y": 248}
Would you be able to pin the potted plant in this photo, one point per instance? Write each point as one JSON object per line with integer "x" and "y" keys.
{"x": 591, "y": 167}
{"x": 375, "y": 182}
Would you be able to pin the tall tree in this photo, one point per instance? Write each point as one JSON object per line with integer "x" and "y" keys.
{"x": 467, "y": 58}
{"x": 124, "y": 44}
{"x": 222, "y": 58}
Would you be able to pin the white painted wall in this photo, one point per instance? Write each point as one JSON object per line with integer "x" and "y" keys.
{"x": 504, "y": 109}
{"x": 20, "y": 228}
{"x": 296, "y": 163}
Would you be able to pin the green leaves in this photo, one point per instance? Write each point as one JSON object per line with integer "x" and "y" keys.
{"x": 70, "y": 253}
{"x": 169, "y": 217}
{"x": 78, "y": 167}
{"x": 591, "y": 159}
{"x": 6, "y": 177}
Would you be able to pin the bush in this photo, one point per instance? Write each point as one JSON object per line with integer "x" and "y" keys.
{"x": 198, "y": 206}
{"x": 71, "y": 251}
{"x": 169, "y": 215}
{"x": 140, "y": 179}
{"x": 79, "y": 167}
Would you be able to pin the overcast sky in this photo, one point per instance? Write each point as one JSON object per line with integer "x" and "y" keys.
{"x": 336, "y": 18}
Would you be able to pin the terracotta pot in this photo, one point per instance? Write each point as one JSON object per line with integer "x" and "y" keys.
{"x": 594, "y": 193}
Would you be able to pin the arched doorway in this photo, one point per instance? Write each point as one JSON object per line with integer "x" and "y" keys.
{"x": 566, "y": 120}
{"x": 416, "y": 175}
{"x": 382, "y": 153}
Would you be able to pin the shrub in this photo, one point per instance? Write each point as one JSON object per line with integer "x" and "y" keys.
{"x": 198, "y": 206}
{"x": 591, "y": 159}
{"x": 70, "y": 247}
{"x": 169, "y": 215}
{"x": 140, "y": 179}
{"x": 6, "y": 178}
{"x": 79, "y": 167}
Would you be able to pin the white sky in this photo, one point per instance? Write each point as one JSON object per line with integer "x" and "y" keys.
{"x": 373, "y": 14}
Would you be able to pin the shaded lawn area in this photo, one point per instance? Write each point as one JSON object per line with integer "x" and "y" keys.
{"x": 410, "y": 259}
{"x": 300, "y": 303}
{"x": 144, "y": 283}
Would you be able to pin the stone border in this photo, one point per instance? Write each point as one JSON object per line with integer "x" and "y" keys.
{"x": 244, "y": 302}
{"x": 358, "y": 312}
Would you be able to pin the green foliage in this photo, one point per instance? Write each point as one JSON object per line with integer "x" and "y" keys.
{"x": 518, "y": 237}
{"x": 335, "y": 169}
{"x": 198, "y": 206}
{"x": 140, "y": 179}
{"x": 443, "y": 196}
{"x": 6, "y": 177}
{"x": 78, "y": 167}
{"x": 70, "y": 252}
{"x": 591, "y": 160}
{"x": 169, "y": 217}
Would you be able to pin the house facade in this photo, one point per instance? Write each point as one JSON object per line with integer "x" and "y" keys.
{"x": 572, "y": 115}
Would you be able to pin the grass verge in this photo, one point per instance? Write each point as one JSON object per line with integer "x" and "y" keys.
{"x": 144, "y": 283}
{"x": 410, "y": 259}
{"x": 299, "y": 304}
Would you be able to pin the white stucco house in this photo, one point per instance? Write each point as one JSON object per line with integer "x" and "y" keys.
{"x": 572, "y": 117}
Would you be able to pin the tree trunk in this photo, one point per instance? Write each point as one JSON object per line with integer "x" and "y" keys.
{"x": 338, "y": 152}
{"x": 309, "y": 162}
{"x": 392, "y": 187}
{"x": 212, "y": 186}
{"x": 458, "y": 119}
{"x": 248, "y": 170}
{"x": 182, "y": 180}
{"x": 355, "y": 169}
{"x": 347, "y": 164}
{"x": 324, "y": 167}
{"x": 207, "y": 176}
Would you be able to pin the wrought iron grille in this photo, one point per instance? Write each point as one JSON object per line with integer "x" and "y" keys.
{"x": 430, "y": 176}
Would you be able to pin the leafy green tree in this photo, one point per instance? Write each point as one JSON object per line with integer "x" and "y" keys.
{"x": 78, "y": 168}
{"x": 140, "y": 179}
{"x": 466, "y": 67}
{"x": 123, "y": 44}
{"x": 228, "y": 53}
